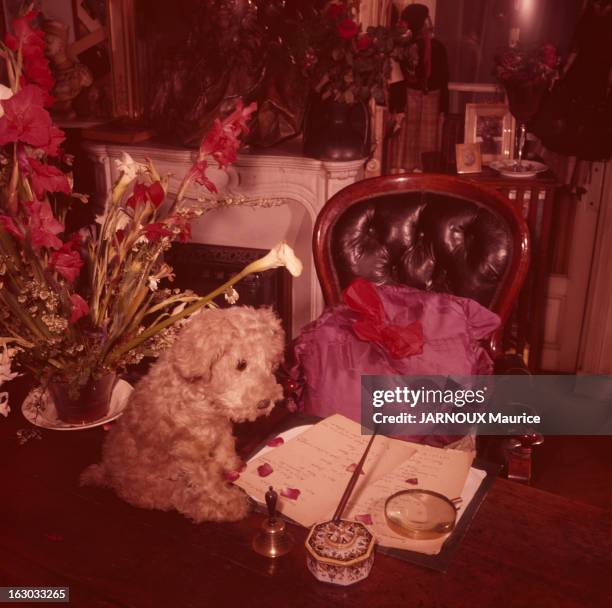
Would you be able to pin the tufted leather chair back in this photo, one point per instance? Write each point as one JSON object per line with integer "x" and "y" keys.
{"x": 433, "y": 232}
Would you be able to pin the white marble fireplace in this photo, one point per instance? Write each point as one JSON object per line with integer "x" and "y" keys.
{"x": 302, "y": 184}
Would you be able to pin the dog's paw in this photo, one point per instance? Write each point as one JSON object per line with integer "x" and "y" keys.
{"x": 236, "y": 506}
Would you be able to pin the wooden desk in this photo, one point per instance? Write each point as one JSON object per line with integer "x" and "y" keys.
{"x": 525, "y": 547}
{"x": 534, "y": 198}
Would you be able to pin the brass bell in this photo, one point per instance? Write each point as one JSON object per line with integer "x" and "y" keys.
{"x": 272, "y": 540}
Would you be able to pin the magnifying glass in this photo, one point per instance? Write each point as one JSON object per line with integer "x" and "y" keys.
{"x": 421, "y": 514}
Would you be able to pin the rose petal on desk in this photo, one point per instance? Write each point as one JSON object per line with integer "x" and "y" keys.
{"x": 365, "y": 518}
{"x": 413, "y": 480}
{"x": 351, "y": 468}
{"x": 263, "y": 470}
{"x": 231, "y": 476}
{"x": 292, "y": 493}
{"x": 274, "y": 443}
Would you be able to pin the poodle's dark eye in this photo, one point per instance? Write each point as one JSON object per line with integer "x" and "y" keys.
{"x": 241, "y": 365}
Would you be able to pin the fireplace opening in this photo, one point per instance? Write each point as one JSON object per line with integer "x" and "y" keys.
{"x": 203, "y": 267}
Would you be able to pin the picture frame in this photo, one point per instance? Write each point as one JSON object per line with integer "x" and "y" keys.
{"x": 493, "y": 127}
{"x": 469, "y": 158}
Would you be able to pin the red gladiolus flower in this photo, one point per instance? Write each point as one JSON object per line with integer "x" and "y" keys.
{"x": 38, "y": 72}
{"x": 335, "y": 11}
{"x": 67, "y": 262}
{"x": 46, "y": 178}
{"x": 156, "y": 231}
{"x": 364, "y": 42}
{"x": 347, "y": 29}
{"x": 222, "y": 141}
{"x": 7, "y": 222}
{"x": 42, "y": 225}
{"x": 80, "y": 308}
{"x": 198, "y": 172}
{"x": 26, "y": 120}
{"x": 142, "y": 193}
{"x": 32, "y": 40}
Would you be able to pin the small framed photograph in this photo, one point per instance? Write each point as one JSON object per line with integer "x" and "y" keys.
{"x": 492, "y": 126}
{"x": 468, "y": 158}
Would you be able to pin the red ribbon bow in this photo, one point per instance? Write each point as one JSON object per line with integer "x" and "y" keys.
{"x": 373, "y": 325}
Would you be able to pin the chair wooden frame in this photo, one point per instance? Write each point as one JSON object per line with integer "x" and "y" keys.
{"x": 428, "y": 182}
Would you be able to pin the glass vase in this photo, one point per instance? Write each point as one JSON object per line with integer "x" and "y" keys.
{"x": 91, "y": 404}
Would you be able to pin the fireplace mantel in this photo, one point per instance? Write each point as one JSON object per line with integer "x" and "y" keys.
{"x": 303, "y": 184}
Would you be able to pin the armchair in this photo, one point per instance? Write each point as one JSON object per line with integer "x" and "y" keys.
{"x": 436, "y": 233}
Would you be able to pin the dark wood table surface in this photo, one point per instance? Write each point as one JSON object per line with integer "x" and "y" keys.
{"x": 525, "y": 547}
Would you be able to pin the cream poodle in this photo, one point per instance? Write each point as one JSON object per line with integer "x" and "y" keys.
{"x": 174, "y": 445}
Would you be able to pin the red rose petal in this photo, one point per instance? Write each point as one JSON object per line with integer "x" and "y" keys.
{"x": 351, "y": 468}
{"x": 366, "y": 518}
{"x": 231, "y": 476}
{"x": 274, "y": 443}
{"x": 413, "y": 480}
{"x": 264, "y": 470}
{"x": 292, "y": 493}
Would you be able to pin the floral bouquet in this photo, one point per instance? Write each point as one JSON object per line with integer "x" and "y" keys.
{"x": 78, "y": 307}
{"x": 520, "y": 65}
{"x": 344, "y": 63}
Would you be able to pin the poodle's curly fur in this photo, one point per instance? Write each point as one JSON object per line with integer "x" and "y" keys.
{"x": 174, "y": 443}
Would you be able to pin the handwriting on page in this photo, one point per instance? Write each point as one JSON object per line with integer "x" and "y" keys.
{"x": 318, "y": 464}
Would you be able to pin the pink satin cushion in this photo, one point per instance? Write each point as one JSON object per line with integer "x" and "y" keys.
{"x": 332, "y": 358}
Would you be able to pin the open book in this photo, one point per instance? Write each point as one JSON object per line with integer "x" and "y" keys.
{"x": 320, "y": 461}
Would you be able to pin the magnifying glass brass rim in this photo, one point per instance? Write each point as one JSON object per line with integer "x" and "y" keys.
{"x": 427, "y": 529}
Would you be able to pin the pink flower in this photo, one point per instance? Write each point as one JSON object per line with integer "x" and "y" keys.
{"x": 26, "y": 120}
{"x": 67, "y": 262}
{"x": 156, "y": 231}
{"x": 198, "y": 172}
{"x": 46, "y": 178}
{"x": 42, "y": 226}
{"x": 351, "y": 468}
{"x": 364, "y": 42}
{"x": 347, "y": 29}
{"x": 9, "y": 225}
{"x": 222, "y": 141}
{"x": 292, "y": 493}
{"x": 263, "y": 470}
{"x": 32, "y": 40}
{"x": 142, "y": 193}
{"x": 37, "y": 71}
{"x": 79, "y": 308}
{"x": 273, "y": 443}
{"x": 366, "y": 518}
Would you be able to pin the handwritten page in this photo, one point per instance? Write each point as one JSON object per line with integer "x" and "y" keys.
{"x": 443, "y": 471}
{"x": 319, "y": 464}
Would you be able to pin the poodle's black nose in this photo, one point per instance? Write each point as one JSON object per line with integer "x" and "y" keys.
{"x": 263, "y": 404}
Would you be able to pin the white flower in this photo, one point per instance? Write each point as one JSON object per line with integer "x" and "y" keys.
{"x": 6, "y": 354}
{"x": 4, "y": 406}
{"x": 280, "y": 255}
{"x": 231, "y": 295}
{"x": 5, "y": 93}
{"x": 153, "y": 283}
{"x": 128, "y": 167}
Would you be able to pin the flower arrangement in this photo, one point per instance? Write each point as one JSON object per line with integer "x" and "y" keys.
{"x": 75, "y": 307}
{"x": 341, "y": 61}
{"x": 517, "y": 65}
